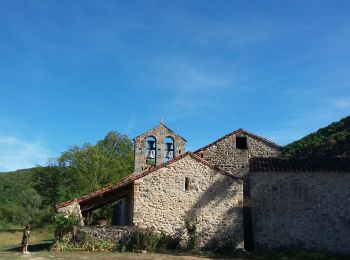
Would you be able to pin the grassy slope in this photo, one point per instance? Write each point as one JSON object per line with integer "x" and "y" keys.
{"x": 11, "y": 239}
{"x": 332, "y": 140}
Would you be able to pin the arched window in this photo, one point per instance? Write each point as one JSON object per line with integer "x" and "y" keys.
{"x": 151, "y": 151}
{"x": 168, "y": 148}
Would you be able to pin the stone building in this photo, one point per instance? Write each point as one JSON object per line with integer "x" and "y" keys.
{"x": 230, "y": 190}
{"x": 233, "y": 151}
{"x": 301, "y": 203}
{"x": 170, "y": 185}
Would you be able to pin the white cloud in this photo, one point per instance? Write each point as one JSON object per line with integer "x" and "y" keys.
{"x": 18, "y": 154}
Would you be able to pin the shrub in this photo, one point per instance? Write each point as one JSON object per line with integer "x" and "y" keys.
{"x": 65, "y": 226}
{"x": 225, "y": 245}
{"x": 191, "y": 227}
{"x": 147, "y": 239}
{"x": 61, "y": 245}
{"x": 85, "y": 243}
{"x": 169, "y": 243}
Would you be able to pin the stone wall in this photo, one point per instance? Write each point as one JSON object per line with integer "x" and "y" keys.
{"x": 159, "y": 133}
{"x": 161, "y": 202}
{"x": 111, "y": 233}
{"x": 225, "y": 155}
{"x": 72, "y": 210}
{"x": 303, "y": 209}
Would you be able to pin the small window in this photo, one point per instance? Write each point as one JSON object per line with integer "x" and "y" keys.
{"x": 179, "y": 151}
{"x": 241, "y": 142}
{"x": 187, "y": 183}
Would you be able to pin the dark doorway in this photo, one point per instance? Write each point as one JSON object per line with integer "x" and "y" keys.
{"x": 120, "y": 214}
{"x": 247, "y": 216}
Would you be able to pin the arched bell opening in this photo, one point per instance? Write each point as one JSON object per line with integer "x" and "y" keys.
{"x": 169, "y": 148}
{"x": 151, "y": 151}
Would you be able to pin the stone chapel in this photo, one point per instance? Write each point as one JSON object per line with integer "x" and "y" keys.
{"x": 222, "y": 187}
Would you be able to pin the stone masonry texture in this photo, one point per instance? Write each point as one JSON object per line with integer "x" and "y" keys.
{"x": 226, "y": 156}
{"x": 162, "y": 203}
{"x": 159, "y": 133}
{"x": 72, "y": 210}
{"x": 303, "y": 209}
{"x": 115, "y": 234}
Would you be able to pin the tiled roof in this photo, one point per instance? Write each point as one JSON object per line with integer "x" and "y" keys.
{"x": 235, "y": 132}
{"x": 135, "y": 176}
{"x": 299, "y": 165}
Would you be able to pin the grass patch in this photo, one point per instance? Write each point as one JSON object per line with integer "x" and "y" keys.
{"x": 12, "y": 239}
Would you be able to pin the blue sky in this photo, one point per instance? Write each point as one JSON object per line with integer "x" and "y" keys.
{"x": 70, "y": 71}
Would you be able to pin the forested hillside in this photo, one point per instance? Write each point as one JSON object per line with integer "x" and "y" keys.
{"x": 29, "y": 196}
{"x": 20, "y": 202}
{"x": 332, "y": 140}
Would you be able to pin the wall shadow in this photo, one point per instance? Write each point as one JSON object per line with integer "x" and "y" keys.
{"x": 228, "y": 230}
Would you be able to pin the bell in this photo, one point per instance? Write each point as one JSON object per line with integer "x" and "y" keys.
{"x": 151, "y": 144}
{"x": 169, "y": 149}
{"x": 168, "y": 155}
{"x": 168, "y": 146}
{"x": 150, "y": 154}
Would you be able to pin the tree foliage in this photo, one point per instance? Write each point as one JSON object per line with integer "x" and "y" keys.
{"x": 20, "y": 202}
{"x": 30, "y": 196}
{"x": 91, "y": 167}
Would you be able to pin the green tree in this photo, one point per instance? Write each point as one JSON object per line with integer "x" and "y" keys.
{"x": 91, "y": 167}
{"x": 54, "y": 184}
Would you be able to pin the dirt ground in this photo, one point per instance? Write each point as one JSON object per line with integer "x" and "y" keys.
{"x": 92, "y": 255}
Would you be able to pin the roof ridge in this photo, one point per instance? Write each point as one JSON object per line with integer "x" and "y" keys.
{"x": 131, "y": 178}
{"x": 234, "y": 132}
{"x": 161, "y": 124}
